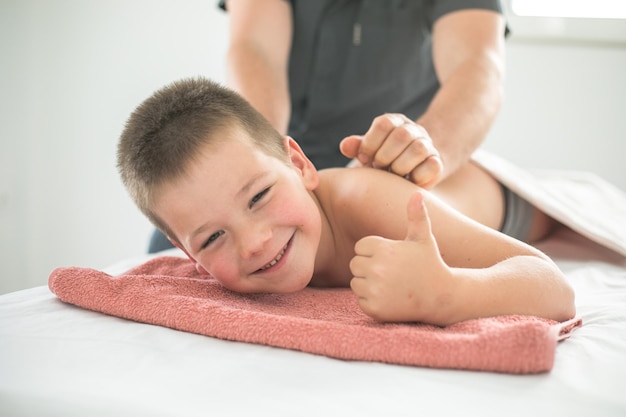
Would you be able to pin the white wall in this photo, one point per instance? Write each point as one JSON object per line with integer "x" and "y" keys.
{"x": 565, "y": 108}
{"x": 71, "y": 71}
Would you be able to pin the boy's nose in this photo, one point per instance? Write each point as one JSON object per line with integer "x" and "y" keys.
{"x": 253, "y": 239}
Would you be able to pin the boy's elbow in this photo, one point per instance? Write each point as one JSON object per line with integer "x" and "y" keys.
{"x": 572, "y": 303}
{"x": 567, "y": 304}
{"x": 562, "y": 303}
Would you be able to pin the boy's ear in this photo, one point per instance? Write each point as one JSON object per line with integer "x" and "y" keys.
{"x": 302, "y": 164}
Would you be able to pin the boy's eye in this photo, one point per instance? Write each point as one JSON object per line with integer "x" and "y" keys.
{"x": 212, "y": 238}
{"x": 258, "y": 197}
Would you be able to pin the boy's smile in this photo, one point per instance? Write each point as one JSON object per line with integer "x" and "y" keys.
{"x": 274, "y": 263}
{"x": 247, "y": 218}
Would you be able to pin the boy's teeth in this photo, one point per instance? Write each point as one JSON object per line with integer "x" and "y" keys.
{"x": 280, "y": 255}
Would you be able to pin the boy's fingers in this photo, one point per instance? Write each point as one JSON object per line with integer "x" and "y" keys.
{"x": 367, "y": 245}
{"x": 419, "y": 222}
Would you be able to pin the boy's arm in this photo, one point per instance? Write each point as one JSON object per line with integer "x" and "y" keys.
{"x": 447, "y": 268}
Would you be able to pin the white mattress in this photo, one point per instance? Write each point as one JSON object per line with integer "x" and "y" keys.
{"x": 60, "y": 360}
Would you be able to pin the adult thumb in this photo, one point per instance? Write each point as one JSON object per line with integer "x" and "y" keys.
{"x": 350, "y": 146}
{"x": 419, "y": 222}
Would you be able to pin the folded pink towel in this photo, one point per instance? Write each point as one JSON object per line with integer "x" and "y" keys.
{"x": 167, "y": 291}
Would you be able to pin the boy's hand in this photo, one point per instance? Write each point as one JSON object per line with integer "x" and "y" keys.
{"x": 396, "y": 143}
{"x": 403, "y": 280}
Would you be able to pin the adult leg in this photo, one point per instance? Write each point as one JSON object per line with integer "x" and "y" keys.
{"x": 524, "y": 221}
{"x": 478, "y": 195}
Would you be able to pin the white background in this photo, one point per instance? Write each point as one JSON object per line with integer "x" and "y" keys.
{"x": 71, "y": 71}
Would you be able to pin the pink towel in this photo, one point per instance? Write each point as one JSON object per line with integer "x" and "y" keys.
{"x": 167, "y": 291}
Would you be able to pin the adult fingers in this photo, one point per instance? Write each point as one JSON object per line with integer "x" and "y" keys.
{"x": 377, "y": 135}
{"x": 350, "y": 146}
{"x": 417, "y": 151}
{"x": 428, "y": 173}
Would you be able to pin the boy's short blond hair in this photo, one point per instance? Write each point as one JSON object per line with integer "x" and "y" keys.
{"x": 165, "y": 133}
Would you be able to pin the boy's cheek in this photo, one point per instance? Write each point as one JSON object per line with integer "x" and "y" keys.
{"x": 225, "y": 274}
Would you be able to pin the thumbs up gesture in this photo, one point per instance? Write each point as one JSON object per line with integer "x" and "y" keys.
{"x": 403, "y": 280}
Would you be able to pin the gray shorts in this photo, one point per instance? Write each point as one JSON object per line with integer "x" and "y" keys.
{"x": 518, "y": 216}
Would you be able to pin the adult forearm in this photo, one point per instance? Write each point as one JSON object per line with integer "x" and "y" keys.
{"x": 261, "y": 83}
{"x": 462, "y": 112}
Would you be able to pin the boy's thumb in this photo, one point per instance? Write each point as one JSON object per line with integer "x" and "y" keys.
{"x": 419, "y": 222}
{"x": 350, "y": 146}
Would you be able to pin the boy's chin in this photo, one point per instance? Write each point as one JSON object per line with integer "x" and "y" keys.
{"x": 291, "y": 287}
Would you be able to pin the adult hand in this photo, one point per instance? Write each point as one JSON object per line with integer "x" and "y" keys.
{"x": 398, "y": 144}
{"x": 404, "y": 280}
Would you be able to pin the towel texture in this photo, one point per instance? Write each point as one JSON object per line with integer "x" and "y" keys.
{"x": 167, "y": 291}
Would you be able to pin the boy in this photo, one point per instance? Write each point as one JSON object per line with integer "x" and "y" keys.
{"x": 247, "y": 206}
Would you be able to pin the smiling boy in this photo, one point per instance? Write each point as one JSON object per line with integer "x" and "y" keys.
{"x": 249, "y": 208}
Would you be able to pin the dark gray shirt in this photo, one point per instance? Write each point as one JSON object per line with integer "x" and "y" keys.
{"x": 352, "y": 60}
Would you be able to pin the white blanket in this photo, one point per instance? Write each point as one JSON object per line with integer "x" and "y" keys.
{"x": 581, "y": 201}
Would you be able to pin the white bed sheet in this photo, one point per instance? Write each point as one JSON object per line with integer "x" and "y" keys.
{"x": 60, "y": 360}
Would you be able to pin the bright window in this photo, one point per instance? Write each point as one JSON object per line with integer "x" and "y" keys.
{"x": 595, "y": 21}
{"x": 598, "y": 9}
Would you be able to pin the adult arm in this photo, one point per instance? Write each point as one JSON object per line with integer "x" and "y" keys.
{"x": 468, "y": 55}
{"x": 258, "y": 56}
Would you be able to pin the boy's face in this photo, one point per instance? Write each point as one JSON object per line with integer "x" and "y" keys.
{"x": 247, "y": 218}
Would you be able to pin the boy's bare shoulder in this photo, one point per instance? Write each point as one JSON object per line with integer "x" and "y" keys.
{"x": 364, "y": 199}
{"x": 358, "y": 182}
{"x": 341, "y": 183}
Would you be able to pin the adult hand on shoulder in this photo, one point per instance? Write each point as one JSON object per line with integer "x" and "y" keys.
{"x": 398, "y": 144}
{"x": 403, "y": 280}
